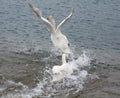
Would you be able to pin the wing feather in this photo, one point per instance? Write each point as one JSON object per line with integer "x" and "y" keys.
{"x": 39, "y": 15}
{"x": 64, "y": 21}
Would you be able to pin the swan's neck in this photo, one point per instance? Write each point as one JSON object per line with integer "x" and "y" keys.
{"x": 52, "y": 20}
{"x": 54, "y": 34}
{"x": 64, "y": 58}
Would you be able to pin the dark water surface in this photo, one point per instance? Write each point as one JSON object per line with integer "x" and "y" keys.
{"x": 26, "y": 50}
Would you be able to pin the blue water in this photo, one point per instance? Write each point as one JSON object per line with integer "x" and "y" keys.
{"x": 95, "y": 24}
{"x": 94, "y": 27}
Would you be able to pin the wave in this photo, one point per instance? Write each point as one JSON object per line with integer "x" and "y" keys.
{"x": 68, "y": 86}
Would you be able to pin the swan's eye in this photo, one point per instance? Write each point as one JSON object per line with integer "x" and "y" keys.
{"x": 68, "y": 44}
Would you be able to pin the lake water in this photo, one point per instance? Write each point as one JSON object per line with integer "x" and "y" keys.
{"x": 27, "y": 54}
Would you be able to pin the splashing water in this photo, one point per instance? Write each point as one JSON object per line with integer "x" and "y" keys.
{"x": 70, "y": 84}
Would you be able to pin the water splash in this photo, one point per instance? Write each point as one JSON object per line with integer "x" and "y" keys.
{"x": 68, "y": 86}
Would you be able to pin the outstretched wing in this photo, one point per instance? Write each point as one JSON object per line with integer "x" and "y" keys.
{"x": 35, "y": 10}
{"x": 64, "y": 21}
{"x": 39, "y": 15}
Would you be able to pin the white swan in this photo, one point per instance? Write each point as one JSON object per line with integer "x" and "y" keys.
{"x": 59, "y": 40}
{"x": 60, "y": 72}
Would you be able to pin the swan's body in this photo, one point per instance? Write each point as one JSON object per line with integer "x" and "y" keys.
{"x": 60, "y": 72}
{"x": 59, "y": 40}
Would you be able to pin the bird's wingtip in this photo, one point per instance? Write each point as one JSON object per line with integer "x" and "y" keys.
{"x": 30, "y": 5}
{"x": 72, "y": 10}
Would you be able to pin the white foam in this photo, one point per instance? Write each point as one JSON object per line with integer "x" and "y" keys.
{"x": 70, "y": 84}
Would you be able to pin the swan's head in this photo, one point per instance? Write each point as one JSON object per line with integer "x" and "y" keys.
{"x": 50, "y": 17}
{"x": 52, "y": 20}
